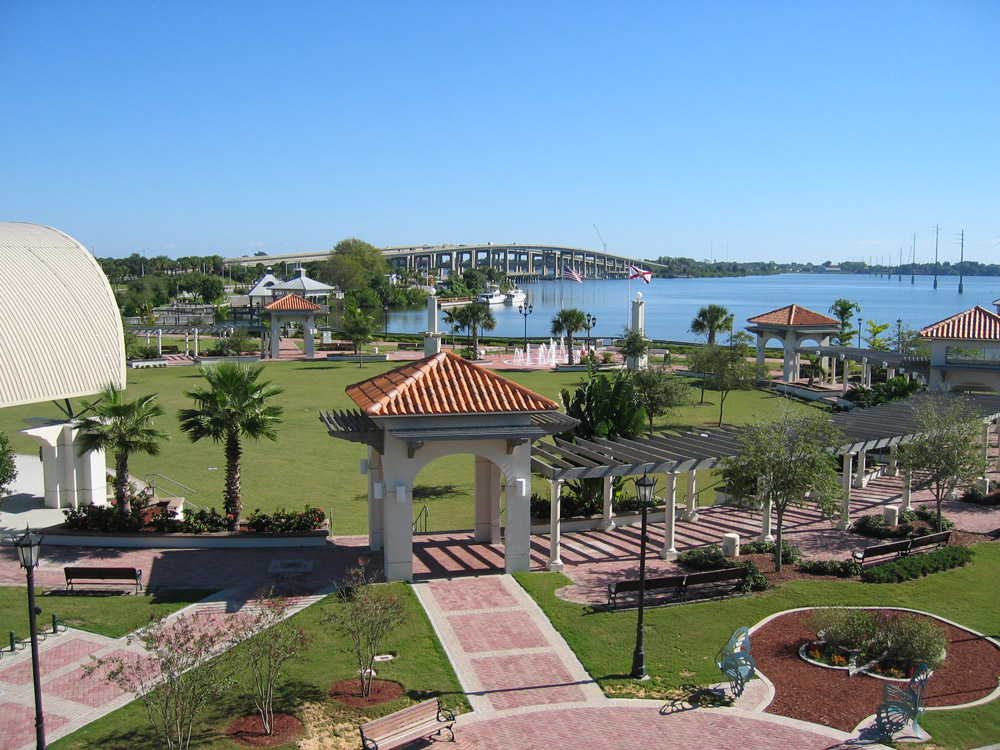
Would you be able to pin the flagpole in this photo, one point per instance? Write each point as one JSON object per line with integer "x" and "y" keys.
{"x": 628, "y": 305}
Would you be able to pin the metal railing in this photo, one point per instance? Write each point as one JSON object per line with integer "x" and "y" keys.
{"x": 150, "y": 479}
{"x": 420, "y": 522}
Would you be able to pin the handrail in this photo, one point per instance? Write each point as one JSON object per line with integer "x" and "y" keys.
{"x": 420, "y": 522}
{"x": 152, "y": 483}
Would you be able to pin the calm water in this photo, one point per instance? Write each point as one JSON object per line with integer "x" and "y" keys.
{"x": 672, "y": 303}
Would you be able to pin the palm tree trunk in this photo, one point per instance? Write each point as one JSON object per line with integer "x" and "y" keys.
{"x": 777, "y": 550}
{"x": 121, "y": 483}
{"x": 234, "y": 502}
{"x": 569, "y": 339}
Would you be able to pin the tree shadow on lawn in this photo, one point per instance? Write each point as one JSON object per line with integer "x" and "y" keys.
{"x": 434, "y": 491}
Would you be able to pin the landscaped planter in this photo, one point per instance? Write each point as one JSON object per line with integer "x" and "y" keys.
{"x": 62, "y": 536}
{"x": 139, "y": 364}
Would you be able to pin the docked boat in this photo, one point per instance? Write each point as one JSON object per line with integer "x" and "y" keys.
{"x": 515, "y": 296}
{"x": 492, "y": 296}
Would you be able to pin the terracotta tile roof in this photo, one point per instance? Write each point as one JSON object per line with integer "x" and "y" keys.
{"x": 793, "y": 315}
{"x": 444, "y": 384}
{"x": 977, "y": 324}
{"x": 292, "y": 303}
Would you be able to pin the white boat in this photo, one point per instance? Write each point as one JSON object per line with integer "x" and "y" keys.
{"x": 492, "y": 296}
{"x": 515, "y": 296}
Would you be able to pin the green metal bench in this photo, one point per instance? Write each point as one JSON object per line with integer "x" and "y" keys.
{"x": 902, "y": 705}
{"x": 676, "y": 583}
{"x": 735, "y": 661}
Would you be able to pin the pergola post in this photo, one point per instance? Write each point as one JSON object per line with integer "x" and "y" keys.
{"x": 691, "y": 512}
{"x": 607, "y": 512}
{"x": 195, "y": 343}
{"x": 893, "y": 468}
{"x": 845, "y": 520}
{"x": 907, "y": 489}
{"x": 859, "y": 477}
{"x": 308, "y": 335}
{"x": 986, "y": 440}
{"x": 766, "y": 535}
{"x": 669, "y": 551}
{"x": 555, "y": 512}
{"x": 846, "y": 369}
{"x": 159, "y": 342}
{"x": 376, "y": 497}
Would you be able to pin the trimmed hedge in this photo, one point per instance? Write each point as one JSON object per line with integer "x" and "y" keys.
{"x": 839, "y": 568}
{"x": 916, "y": 566}
{"x": 283, "y": 520}
{"x": 711, "y": 558}
{"x": 873, "y": 525}
{"x": 976, "y": 496}
{"x": 789, "y": 553}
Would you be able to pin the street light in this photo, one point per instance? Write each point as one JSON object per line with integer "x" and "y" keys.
{"x": 644, "y": 489}
{"x": 525, "y": 310}
{"x": 28, "y": 547}
{"x": 860, "y": 323}
{"x": 385, "y": 316}
{"x": 591, "y": 322}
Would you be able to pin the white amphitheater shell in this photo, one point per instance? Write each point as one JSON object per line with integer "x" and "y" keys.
{"x": 60, "y": 338}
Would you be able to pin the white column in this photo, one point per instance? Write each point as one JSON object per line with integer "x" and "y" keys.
{"x": 555, "y": 528}
{"x": 760, "y": 350}
{"x": 91, "y": 477}
{"x": 275, "y": 337}
{"x": 159, "y": 342}
{"x": 859, "y": 477}
{"x": 517, "y": 540}
{"x": 669, "y": 551}
{"x": 844, "y": 375}
{"x": 907, "y": 489}
{"x": 397, "y": 553}
{"x": 691, "y": 513}
{"x": 376, "y": 498}
{"x": 845, "y": 521}
{"x": 893, "y": 468}
{"x": 788, "y": 359}
{"x": 986, "y": 440}
{"x": 195, "y": 342}
{"x": 67, "y": 468}
{"x": 308, "y": 335}
{"x": 766, "y": 534}
{"x": 483, "y": 472}
{"x": 607, "y": 514}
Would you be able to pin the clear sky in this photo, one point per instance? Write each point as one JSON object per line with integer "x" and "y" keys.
{"x": 797, "y": 130}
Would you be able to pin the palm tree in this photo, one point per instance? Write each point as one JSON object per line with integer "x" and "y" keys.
{"x": 452, "y": 319}
{"x": 235, "y": 405}
{"x": 710, "y": 320}
{"x": 475, "y": 316}
{"x": 124, "y": 427}
{"x": 569, "y": 321}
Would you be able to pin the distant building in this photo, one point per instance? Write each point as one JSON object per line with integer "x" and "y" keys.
{"x": 965, "y": 351}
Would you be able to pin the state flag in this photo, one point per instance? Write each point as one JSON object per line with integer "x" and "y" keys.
{"x": 638, "y": 273}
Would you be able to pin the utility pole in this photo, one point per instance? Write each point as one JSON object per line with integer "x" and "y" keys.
{"x": 961, "y": 265}
{"x": 937, "y": 228}
{"x": 900, "y": 269}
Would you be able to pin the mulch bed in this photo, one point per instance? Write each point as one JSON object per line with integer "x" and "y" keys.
{"x": 835, "y": 699}
{"x": 249, "y": 731}
{"x": 348, "y": 692}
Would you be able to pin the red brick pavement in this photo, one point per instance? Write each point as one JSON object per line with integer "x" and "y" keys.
{"x": 18, "y": 724}
{"x": 642, "y": 728}
{"x": 50, "y": 660}
{"x": 496, "y": 631}
{"x": 90, "y": 690}
{"x": 515, "y": 681}
{"x": 481, "y": 593}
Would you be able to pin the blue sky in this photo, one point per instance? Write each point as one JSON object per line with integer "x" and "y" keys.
{"x": 788, "y": 131}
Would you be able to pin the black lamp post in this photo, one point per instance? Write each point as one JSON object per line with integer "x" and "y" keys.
{"x": 860, "y": 325}
{"x": 28, "y": 547}
{"x": 591, "y": 322}
{"x": 385, "y": 316}
{"x": 525, "y": 310}
{"x": 644, "y": 489}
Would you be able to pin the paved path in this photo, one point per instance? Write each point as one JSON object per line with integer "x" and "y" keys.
{"x": 527, "y": 688}
{"x": 70, "y": 698}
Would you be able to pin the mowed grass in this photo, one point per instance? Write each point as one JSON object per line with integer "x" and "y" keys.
{"x": 420, "y": 666}
{"x": 306, "y": 465}
{"x": 113, "y": 615}
{"x": 681, "y": 641}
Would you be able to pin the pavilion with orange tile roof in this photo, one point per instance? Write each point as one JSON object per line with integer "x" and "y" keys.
{"x": 792, "y": 326}
{"x": 438, "y": 406}
{"x": 292, "y": 307}
{"x": 965, "y": 351}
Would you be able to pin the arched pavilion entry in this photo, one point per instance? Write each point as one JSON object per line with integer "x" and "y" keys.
{"x": 792, "y": 326}
{"x": 434, "y": 407}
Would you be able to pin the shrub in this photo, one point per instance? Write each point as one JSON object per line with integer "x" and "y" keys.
{"x": 755, "y": 580}
{"x": 201, "y": 521}
{"x": 789, "y": 553}
{"x": 912, "y": 523}
{"x": 916, "y": 566}
{"x": 704, "y": 558}
{"x": 849, "y": 629}
{"x": 872, "y": 525}
{"x": 839, "y": 568}
{"x": 914, "y": 641}
{"x": 107, "y": 519}
{"x": 976, "y": 496}
{"x": 283, "y": 521}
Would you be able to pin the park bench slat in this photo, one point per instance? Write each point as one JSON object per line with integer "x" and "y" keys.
{"x": 406, "y": 725}
{"x": 74, "y": 574}
{"x": 937, "y": 539}
{"x": 898, "y": 549}
{"x": 680, "y": 583}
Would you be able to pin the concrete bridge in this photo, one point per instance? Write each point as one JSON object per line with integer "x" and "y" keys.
{"x": 519, "y": 262}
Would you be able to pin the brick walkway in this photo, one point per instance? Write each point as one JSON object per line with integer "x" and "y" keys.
{"x": 527, "y": 688}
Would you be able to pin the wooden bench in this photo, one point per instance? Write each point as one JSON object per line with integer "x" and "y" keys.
{"x": 735, "y": 661}
{"x": 679, "y": 583}
{"x": 408, "y": 725}
{"x": 938, "y": 539}
{"x": 901, "y": 705}
{"x": 404, "y": 346}
{"x": 103, "y": 574}
{"x": 896, "y": 549}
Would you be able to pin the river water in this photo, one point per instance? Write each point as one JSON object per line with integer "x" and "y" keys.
{"x": 671, "y": 304}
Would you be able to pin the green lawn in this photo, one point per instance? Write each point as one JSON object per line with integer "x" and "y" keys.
{"x": 681, "y": 641}
{"x": 420, "y": 666}
{"x": 113, "y": 616}
{"x": 305, "y": 465}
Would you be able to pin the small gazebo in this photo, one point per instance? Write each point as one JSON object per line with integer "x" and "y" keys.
{"x": 438, "y": 406}
{"x": 292, "y": 307}
{"x": 792, "y": 326}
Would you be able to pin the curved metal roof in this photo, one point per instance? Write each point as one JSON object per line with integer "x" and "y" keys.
{"x": 60, "y": 330}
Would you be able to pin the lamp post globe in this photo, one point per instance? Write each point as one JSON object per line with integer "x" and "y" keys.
{"x": 644, "y": 489}
{"x": 525, "y": 310}
{"x": 28, "y": 547}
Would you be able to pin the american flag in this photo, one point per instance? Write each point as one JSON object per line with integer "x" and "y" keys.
{"x": 570, "y": 275}
{"x": 638, "y": 273}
